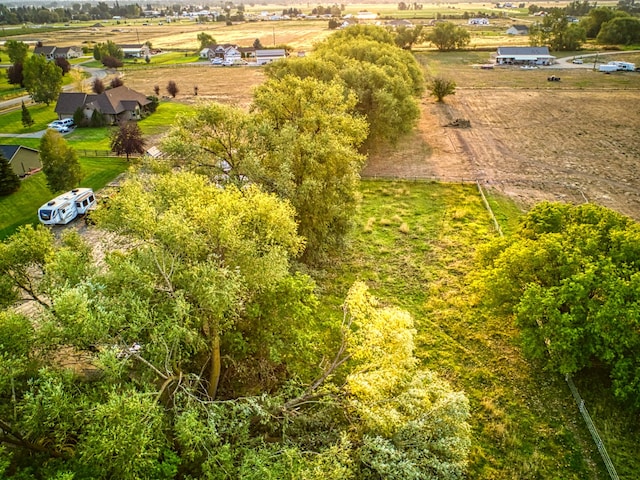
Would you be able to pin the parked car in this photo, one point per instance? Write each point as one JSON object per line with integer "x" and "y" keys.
{"x": 216, "y": 61}
{"x": 62, "y": 126}
{"x": 577, "y": 61}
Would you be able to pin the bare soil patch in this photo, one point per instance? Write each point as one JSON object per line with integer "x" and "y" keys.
{"x": 230, "y": 85}
{"x": 553, "y": 144}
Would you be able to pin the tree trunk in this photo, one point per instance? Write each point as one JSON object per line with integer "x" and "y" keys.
{"x": 214, "y": 375}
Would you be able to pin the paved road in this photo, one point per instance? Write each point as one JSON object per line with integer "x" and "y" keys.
{"x": 588, "y": 59}
{"x": 16, "y": 102}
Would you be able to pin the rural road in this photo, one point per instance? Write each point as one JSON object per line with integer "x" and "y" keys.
{"x": 588, "y": 58}
{"x": 16, "y": 102}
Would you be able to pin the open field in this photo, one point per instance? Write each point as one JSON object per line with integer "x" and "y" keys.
{"x": 574, "y": 140}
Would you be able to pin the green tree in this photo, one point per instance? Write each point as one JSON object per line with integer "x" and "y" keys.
{"x": 407, "y": 37}
{"x": 42, "y": 79}
{"x": 557, "y": 33}
{"x": 231, "y": 245}
{"x": 315, "y": 164}
{"x": 59, "y": 162}
{"x": 596, "y": 18}
{"x": 205, "y": 40}
{"x": 9, "y": 181}
{"x": 27, "y": 121}
{"x": 441, "y": 87}
{"x": 447, "y": 36}
{"x": 569, "y": 276}
{"x": 620, "y": 30}
{"x": 127, "y": 139}
{"x": 16, "y": 50}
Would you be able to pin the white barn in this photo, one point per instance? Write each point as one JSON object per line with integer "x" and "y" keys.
{"x": 267, "y": 56}
{"x": 524, "y": 56}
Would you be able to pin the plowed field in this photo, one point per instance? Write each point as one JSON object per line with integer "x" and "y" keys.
{"x": 567, "y": 145}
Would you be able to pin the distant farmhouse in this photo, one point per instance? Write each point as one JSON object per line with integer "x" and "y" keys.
{"x": 478, "y": 21}
{"x": 524, "y": 56}
{"x": 23, "y": 160}
{"x": 135, "y": 50}
{"x": 399, "y": 23}
{"x": 52, "y": 52}
{"x": 226, "y": 51}
{"x": 116, "y": 104}
{"x": 269, "y": 55}
{"x": 518, "y": 30}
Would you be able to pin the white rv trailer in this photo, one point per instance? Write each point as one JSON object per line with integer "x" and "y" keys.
{"x": 607, "y": 68}
{"x": 624, "y": 66}
{"x": 64, "y": 208}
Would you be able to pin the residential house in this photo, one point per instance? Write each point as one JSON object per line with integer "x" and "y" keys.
{"x": 524, "y": 56}
{"x": 518, "y": 30}
{"x": 116, "y": 104}
{"x": 269, "y": 55}
{"x": 135, "y": 50}
{"x": 46, "y": 52}
{"x": 67, "y": 52}
{"x": 399, "y": 23}
{"x": 23, "y": 160}
{"x": 478, "y": 21}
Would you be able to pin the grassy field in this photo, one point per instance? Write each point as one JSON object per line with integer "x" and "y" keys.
{"x": 415, "y": 247}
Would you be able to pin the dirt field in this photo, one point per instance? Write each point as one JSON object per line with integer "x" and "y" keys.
{"x": 231, "y": 85}
{"x": 567, "y": 145}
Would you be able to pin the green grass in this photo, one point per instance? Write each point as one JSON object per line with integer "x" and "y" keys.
{"x": 163, "y": 117}
{"x": 21, "y": 207}
{"x": 414, "y": 246}
{"x": 40, "y": 113}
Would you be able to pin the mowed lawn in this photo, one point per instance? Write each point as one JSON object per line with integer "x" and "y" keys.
{"x": 21, "y": 207}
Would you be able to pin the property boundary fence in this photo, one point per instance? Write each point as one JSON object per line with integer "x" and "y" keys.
{"x": 101, "y": 153}
{"x": 592, "y": 429}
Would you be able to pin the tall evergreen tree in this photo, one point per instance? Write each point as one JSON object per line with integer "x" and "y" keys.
{"x": 27, "y": 121}
{"x": 9, "y": 181}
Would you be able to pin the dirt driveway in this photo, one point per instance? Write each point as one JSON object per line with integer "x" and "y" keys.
{"x": 565, "y": 145}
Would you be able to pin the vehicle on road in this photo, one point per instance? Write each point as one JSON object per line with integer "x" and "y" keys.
{"x": 216, "y": 61}
{"x": 62, "y": 126}
{"x": 66, "y": 207}
{"x": 577, "y": 61}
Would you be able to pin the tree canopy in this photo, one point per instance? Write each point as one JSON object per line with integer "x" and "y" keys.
{"x": 570, "y": 277}
{"x": 448, "y": 36}
{"x": 42, "y": 79}
{"x": 556, "y": 32}
{"x": 59, "y": 162}
{"x": 9, "y": 181}
{"x": 127, "y": 139}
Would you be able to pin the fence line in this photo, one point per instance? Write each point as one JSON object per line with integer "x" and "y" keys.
{"x": 592, "y": 428}
{"x": 103, "y": 153}
{"x": 574, "y": 391}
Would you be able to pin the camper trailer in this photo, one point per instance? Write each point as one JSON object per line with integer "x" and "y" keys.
{"x": 66, "y": 207}
{"x": 608, "y": 68}
{"x": 624, "y": 66}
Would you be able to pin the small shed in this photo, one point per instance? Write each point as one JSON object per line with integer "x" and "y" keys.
{"x": 23, "y": 160}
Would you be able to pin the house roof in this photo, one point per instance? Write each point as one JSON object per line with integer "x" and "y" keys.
{"x": 274, "y": 52}
{"x": 112, "y": 101}
{"x": 519, "y": 51}
{"x": 399, "y": 23}
{"x": 131, "y": 45}
{"x": 520, "y": 28}
{"x": 9, "y": 151}
{"x": 44, "y": 50}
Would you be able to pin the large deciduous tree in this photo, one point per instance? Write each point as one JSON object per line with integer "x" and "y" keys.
{"x": 448, "y": 36}
{"x": 17, "y": 52}
{"x": 570, "y": 276}
{"x": 59, "y": 162}
{"x": 205, "y": 40}
{"x": 557, "y": 33}
{"x": 620, "y": 30}
{"x": 127, "y": 139}
{"x": 42, "y": 79}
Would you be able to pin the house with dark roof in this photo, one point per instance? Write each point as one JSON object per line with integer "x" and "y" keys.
{"x": 47, "y": 52}
{"x": 518, "y": 30}
{"x": 116, "y": 104}
{"x": 524, "y": 56}
{"x": 23, "y": 160}
{"x": 67, "y": 52}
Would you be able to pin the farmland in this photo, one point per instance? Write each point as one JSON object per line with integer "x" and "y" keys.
{"x": 529, "y": 140}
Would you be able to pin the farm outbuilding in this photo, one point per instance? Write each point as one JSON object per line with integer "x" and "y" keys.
{"x": 267, "y": 56}
{"x": 524, "y": 56}
{"x": 518, "y": 30}
{"x": 23, "y": 160}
